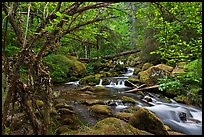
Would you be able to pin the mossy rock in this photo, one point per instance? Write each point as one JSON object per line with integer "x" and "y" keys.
{"x": 126, "y": 99}
{"x": 65, "y": 111}
{"x": 181, "y": 99}
{"x": 87, "y": 88}
{"x": 100, "y": 89}
{"x": 63, "y": 105}
{"x": 91, "y": 80}
{"x": 120, "y": 68}
{"x": 123, "y": 116}
{"x": 145, "y": 120}
{"x": 72, "y": 120}
{"x": 39, "y": 103}
{"x": 146, "y": 66}
{"x": 136, "y": 71}
{"x": 91, "y": 102}
{"x": 151, "y": 75}
{"x": 101, "y": 109}
{"x": 110, "y": 126}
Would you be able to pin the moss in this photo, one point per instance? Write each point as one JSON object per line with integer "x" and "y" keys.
{"x": 180, "y": 98}
{"x": 110, "y": 126}
{"x": 105, "y": 82}
{"x": 146, "y": 66}
{"x": 39, "y": 103}
{"x": 100, "y": 89}
{"x": 101, "y": 109}
{"x": 93, "y": 102}
{"x": 126, "y": 99}
{"x": 133, "y": 80}
{"x": 89, "y": 92}
{"x": 123, "y": 115}
{"x": 90, "y": 80}
{"x": 136, "y": 71}
{"x": 144, "y": 116}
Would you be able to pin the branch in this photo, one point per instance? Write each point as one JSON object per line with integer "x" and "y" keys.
{"x": 15, "y": 27}
{"x": 24, "y": 42}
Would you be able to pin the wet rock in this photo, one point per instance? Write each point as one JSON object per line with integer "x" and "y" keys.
{"x": 110, "y": 126}
{"x": 151, "y": 75}
{"x": 101, "y": 109}
{"x": 148, "y": 99}
{"x": 126, "y": 99}
{"x": 123, "y": 116}
{"x": 91, "y": 102}
{"x": 145, "y": 120}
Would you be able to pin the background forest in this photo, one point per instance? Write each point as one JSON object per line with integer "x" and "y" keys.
{"x": 47, "y": 42}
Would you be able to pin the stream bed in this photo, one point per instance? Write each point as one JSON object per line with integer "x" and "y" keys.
{"x": 179, "y": 117}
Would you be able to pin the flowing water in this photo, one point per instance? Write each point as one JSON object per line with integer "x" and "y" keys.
{"x": 179, "y": 117}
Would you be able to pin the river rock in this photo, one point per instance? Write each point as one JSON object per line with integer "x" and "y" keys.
{"x": 150, "y": 75}
{"x": 126, "y": 99}
{"x": 123, "y": 116}
{"x": 101, "y": 109}
{"x": 143, "y": 119}
{"x": 110, "y": 126}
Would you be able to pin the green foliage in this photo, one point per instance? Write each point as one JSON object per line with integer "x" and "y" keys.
{"x": 179, "y": 30}
{"x": 188, "y": 83}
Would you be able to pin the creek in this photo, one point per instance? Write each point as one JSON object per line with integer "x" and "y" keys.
{"x": 179, "y": 117}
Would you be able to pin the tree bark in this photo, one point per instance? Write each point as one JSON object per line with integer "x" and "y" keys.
{"x": 109, "y": 56}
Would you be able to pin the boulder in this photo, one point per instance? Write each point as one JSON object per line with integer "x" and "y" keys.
{"x": 110, "y": 126}
{"x": 101, "y": 109}
{"x": 126, "y": 99}
{"x": 144, "y": 119}
{"x": 151, "y": 75}
{"x": 91, "y": 80}
{"x": 123, "y": 116}
{"x": 91, "y": 102}
{"x": 65, "y": 111}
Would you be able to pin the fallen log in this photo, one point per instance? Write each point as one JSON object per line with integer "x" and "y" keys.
{"x": 142, "y": 89}
{"x": 108, "y": 56}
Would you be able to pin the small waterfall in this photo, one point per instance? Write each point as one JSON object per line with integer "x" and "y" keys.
{"x": 129, "y": 72}
{"x": 100, "y": 82}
